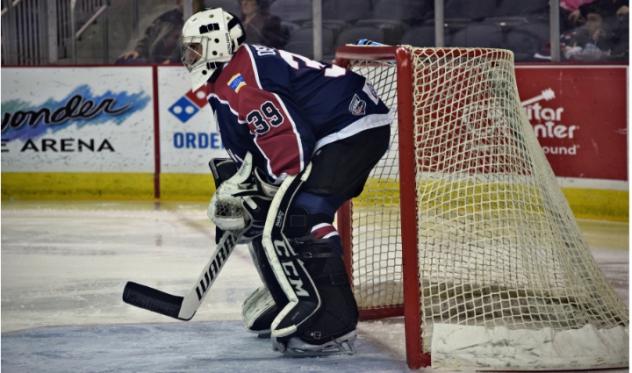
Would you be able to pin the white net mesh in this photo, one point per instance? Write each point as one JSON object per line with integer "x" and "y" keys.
{"x": 497, "y": 243}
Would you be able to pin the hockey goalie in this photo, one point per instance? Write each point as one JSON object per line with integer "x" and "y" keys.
{"x": 302, "y": 138}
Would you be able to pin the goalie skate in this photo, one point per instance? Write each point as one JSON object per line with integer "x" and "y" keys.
{"x": 296, "y": 347}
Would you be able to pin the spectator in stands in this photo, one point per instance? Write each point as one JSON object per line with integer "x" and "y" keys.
{"x": 570, "y": 14}
{"x": 589, "y": 42}
{"x": 262, "y": 27}
{"x": 160, "y": 41}
{"x": 604, "y": 33}
{"x": 606, "y": 8}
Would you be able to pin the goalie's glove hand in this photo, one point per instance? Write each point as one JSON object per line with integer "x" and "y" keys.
{"x": 255, "y": 209}
{"x": 241, "y": 203}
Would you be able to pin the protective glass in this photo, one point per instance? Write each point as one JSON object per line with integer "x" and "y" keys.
{"x": 192, "y": 53}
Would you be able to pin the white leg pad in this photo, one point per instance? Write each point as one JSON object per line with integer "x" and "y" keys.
{"x": 259, "y": 302}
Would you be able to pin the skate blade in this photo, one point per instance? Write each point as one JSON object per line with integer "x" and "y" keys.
{"x": 343, "y": 345}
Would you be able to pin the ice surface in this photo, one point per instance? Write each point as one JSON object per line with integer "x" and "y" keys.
{"x": 67, "y": 264}
{"x": 64, "y": 266}
{"x": 210, "y": 346}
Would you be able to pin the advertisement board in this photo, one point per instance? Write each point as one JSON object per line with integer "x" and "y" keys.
{"x": 78, "y": 119}
{"x": 579, "y": 114}
{"x": 188, "y": 131}
{"x": 120, "y": 131}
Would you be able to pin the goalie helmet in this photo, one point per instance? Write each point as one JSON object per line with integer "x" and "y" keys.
{"x": 209, "y": 39}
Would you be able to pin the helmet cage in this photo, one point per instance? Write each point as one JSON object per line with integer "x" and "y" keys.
{"x": 192, "y": 51}
{"x": 209, "y": 38}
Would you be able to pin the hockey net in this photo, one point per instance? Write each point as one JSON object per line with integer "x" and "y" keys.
{"x": 466, "y": 199}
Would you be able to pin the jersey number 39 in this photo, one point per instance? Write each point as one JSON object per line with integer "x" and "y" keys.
{"x": 260, "y": 121}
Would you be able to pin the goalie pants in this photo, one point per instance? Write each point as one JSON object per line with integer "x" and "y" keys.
{"x": 339, "y": 172}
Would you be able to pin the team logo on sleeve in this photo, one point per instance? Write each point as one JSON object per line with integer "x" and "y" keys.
{"x": 236, "y": 83}
{"x": 357, "y": 106}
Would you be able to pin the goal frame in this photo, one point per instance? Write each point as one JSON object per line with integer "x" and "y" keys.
{"x": 408, "y": 211}
{"x": 416, "y": 270}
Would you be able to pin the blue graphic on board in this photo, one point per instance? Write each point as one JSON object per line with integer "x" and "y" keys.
{"x": 189, "y": 104}
{"x": 183, "y": 109}
{"x": 81, "y": 107}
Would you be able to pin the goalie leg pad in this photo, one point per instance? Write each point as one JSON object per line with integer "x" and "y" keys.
{"x": 287, "y": 267}
{"x": 261, "y": 307}
{"x": 337, "y": 315}
{"x": 258, "y": 311}
{"x": 299, "y": 287}
{"x": 266, "y": 273}
{"x": 321, "y": 307}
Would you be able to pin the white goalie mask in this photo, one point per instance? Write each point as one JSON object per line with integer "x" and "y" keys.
{"x": 209, "y": 39}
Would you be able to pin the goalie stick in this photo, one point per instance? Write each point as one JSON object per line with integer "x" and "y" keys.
{"x": 182, "y": 308}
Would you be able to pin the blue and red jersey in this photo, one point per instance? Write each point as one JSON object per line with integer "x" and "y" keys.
{"x": 282, "y": 107}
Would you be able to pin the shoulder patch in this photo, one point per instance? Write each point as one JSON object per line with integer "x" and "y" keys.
{"x": 236, "y": 82}
{"x": 357, "y": 106}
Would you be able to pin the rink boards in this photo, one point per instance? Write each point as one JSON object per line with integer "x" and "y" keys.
{"x": 140, "y": 132}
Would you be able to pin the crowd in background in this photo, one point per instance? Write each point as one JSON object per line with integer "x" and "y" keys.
{"x": 594, "y": 29}
{"x": 590, "y": 30}
{"x": 159, "y": 44}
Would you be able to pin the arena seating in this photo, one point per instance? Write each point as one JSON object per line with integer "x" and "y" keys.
{"x": 292, "y": 10}
{"x": 302, "y": 42}
{"x": 486, "y": 35}
{"x": 231, "y": 6}
{"x": 527, "y": 39}
{"x": 420, "y": 36}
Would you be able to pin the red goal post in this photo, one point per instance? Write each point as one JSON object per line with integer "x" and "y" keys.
{"x": 462, "y": 227}
{"x": 405, "y": 121}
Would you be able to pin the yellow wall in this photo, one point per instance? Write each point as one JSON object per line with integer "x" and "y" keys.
{"x": 186, "y": 187}
{"x": 76, "y": 186}
{"x": 585, "y": 203}
{"x": 598, "y": 204}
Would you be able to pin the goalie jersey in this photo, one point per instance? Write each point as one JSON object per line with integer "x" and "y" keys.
{"x": 283, "y": 107}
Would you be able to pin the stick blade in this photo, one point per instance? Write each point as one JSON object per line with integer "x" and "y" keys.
{"x": 153, "y": 300}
